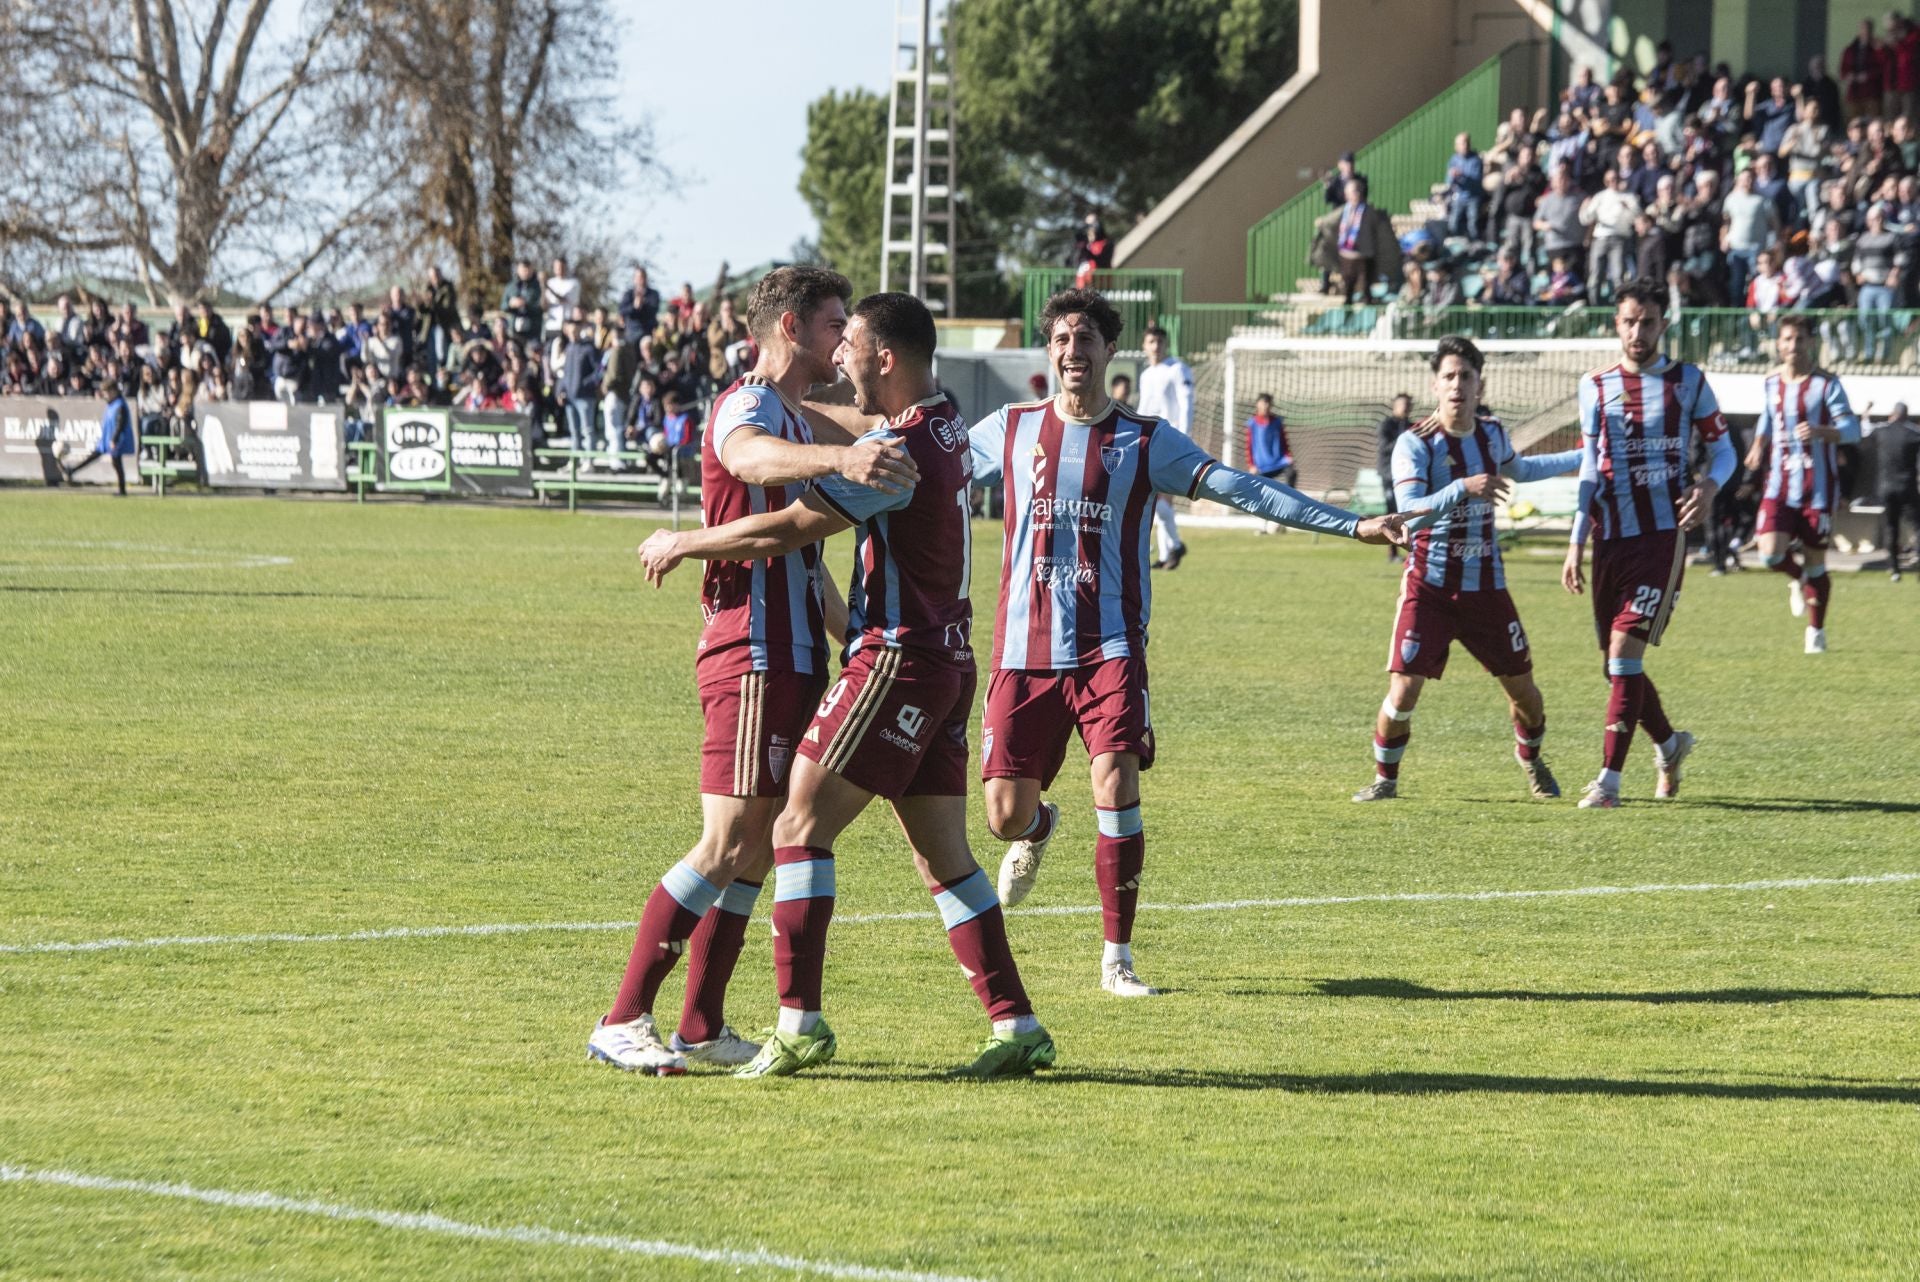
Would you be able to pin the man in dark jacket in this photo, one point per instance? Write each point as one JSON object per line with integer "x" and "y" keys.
{"x": 639, "y": 308}
{"x": 521, "y": 303}
{"x": 1895, "y": 446}
{"x": 325, "y": 374}
{"x": 579, "y": 384}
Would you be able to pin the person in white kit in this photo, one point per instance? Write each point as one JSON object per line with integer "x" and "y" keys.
{"x": 1166, "y": 391}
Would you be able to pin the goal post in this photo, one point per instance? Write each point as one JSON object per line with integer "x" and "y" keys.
{"x": 1333, "y": 392}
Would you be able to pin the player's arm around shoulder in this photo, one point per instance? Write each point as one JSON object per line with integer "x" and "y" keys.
{"x": 762, "y": 536}
{"x": 747, "y": 440}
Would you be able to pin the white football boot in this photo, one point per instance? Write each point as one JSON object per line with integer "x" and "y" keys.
{"x": 1021, "y": 865}
{"x": 1816, "y": 640}
{"x": 1667, "y": 784}
{"x": 635, "y": 1047}
{"x": 726, "y": 1048}
{"x": 1117, "y": 977}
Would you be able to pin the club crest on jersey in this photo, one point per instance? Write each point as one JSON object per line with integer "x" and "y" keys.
{"x": 1409, "y": 646}
{"x": 1110, "y": 456}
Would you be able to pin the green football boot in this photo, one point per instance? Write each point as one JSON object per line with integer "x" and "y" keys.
{"x": 784, "y": 1054}
{"x": 1011, "y": 1055}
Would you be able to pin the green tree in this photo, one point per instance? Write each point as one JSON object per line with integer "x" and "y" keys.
{"x": 842, "y": 177}
{"x": 1066, "y": 106}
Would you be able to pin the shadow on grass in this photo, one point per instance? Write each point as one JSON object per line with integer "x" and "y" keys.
{"x": 1402, "y": 1083}
{"x": 214, "y": 592}
{"x": 1798, "y": 805}
{"x": 1407, "y": 990}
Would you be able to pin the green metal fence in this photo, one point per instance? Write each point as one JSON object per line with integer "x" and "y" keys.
{"x": 1145, "y": 296}
{"x": 1401, "y": 166}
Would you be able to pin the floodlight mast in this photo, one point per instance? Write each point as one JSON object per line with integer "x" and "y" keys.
{"x": 917, "y": 223}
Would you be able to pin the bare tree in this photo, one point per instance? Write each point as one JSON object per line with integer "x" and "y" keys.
{"x": 174, "y": 133}
{"x": 503, "y": 107}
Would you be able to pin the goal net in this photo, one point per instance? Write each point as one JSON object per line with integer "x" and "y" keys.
{"x": 1334, "y": 392}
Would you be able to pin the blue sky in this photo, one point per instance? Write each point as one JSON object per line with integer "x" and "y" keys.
{"x": 727, "y": 87}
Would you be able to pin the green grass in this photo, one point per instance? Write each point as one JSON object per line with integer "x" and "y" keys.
{"x": 441, "y": 714}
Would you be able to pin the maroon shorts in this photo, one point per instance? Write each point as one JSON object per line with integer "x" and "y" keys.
{"x": 1810, "y": 527}
{"x": 1635, "y": 584}
{"x": 1431, "y": 619}
{"x": 895, "y": 724}
{"x": 754, "y": 722}
{"x": 1031, "y": 715}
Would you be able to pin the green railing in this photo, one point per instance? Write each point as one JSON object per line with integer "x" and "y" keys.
{"x": 1145, "y": 297}
{"x": 1402, "y": 165}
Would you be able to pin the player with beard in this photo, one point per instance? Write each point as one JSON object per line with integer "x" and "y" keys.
{"x": 895, "y": 724}
{"x": 761, "y": 667}
{"x": 1637, "y": 499}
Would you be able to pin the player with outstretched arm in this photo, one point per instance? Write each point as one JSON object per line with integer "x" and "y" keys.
{"x": 1070, "y": 642}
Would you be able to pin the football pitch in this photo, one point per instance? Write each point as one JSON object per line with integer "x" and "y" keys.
{"x": 326, "y": 826}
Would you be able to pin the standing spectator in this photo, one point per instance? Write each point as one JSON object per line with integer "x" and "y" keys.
{"x": 1584, "y": 96}
{"x": 618, "y": 369}
{"x": 1863, "y": 70}
{"x": 1750, "y": 225}
{"x": 1806, "y": 147}
{"x": 1466, "y": 191}
{"x": 1771, "y": 185}
{"x": 69, "y": 328}
{"x": 362, "y": 409}
{"x": 1643, "y": 180}
{"x": 1876, "y": 268}
{"x": 1650, "y": 256}
{"x": 1903, "y": 71}
{"x": 1521, "y": 186}
{"x": 402, "y": 323}
{"x": 520, "y": 302}
{"x": 1557, "y": 221}
{"x": 639, "y": 307}
{"x": 682, "y": 303}
{"x": 726, "y": 330}
{"x": 1769, "y": 117}
{"x": 442, "y": 319}
{"x": 1267, "y": 452}
{"x": 210, "y": 329}
{"x": 1821, "y": 88}
{"x": 325, "y": 371}
{"x": 559, "y": 295}
{"x": 384, "y": 354}
{"x": 1357, "y": 244}
{"x": 1895, "y": 445}
{"x": 1611, "y": 213}
{"x": 579, "y": 383}
{"x": 1391, "y": 428}
{"x": 289, "y": 348}
{"x": 1334, "y": 190}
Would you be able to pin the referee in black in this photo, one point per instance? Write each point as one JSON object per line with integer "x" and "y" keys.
{"x": 1896, "y": 449}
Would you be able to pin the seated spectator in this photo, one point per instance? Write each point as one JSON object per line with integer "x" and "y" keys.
{"x": 1563, "y": 284}
{"x": 1650, "y": 255}
{"x": 1771, "y": 185}
{"x": 1512, "y": 284}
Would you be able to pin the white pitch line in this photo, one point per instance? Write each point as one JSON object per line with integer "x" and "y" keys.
{"x": 1067, "y": 910}
{"x": 520, "y": 1234}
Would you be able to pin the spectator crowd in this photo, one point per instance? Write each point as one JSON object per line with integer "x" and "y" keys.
{"x": 622, "y": 381}
{"x": 1735, "y": 191}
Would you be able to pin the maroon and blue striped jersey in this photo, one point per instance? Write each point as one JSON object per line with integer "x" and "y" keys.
{"x": 913, "y": 551}
{"x": 1805, "y": 473}
{"x": 765, "y": 615}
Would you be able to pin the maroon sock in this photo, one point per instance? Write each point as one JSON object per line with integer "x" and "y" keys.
{"x": 1387, "y": 752}
{"x": 978, "y": 935}
{"x": 664, "y": 929}
{"x": 1819, "y": 590}
{"x": 1623, "y": 713}
{"x": 1118, "y": 855}
{"x": 1653, "y": 717}
{"x": 1790, "y": 566}
{"x": 1527, "y": 739}
{"x": 802, "y": 910}
{"x": 711, "y": 955}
